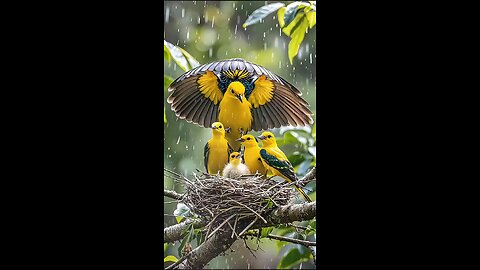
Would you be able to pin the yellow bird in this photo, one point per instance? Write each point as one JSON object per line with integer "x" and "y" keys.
{"x": 235, "y": 168}
{"x": 240, "y": 94}
{"x": 251, "y": 154}
{"x": 217, "y": 150}
{"x": 277, "y": 162}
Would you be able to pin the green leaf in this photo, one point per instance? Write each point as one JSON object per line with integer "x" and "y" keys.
{"x": 297, "y": 37}
{"x": 314, "y": 131}
{"x": 183, "y": 243}
{"x": 183, "y": 59}
{"x": 296, "y": 158}
{"x": 166, "y": 53}
{"x": 261, "y": 13}
{"x": 192, "y": 234}
{"x": 192, "y": 62}
{"x": 312, "y": 18}
{"x": 292, "y": 258}
{"x": 266, "y": 232}
{"x": 281, "y": 15}
{"x": 165, "y": 246}
{"x": 292, "y": 10}
{"x": 165, "y": 117}
{"x": 170, "y": 258}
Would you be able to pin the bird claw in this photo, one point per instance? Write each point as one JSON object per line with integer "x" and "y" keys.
{"x": 241, "y": 131}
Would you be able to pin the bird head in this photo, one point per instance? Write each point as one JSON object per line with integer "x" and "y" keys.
{"x": 236, "y": 90}
{"x": 248, "y": 140}
{"x": 218, "y": 128}
{"x": 268, "y": 139}
{"x": 235, "y": 158}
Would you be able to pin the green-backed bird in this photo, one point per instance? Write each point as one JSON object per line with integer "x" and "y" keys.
{"x": 277, "y": 162}
{"x": 242, "y": 95}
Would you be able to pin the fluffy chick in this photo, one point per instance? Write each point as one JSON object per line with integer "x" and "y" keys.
{"x": 235, "y": 167}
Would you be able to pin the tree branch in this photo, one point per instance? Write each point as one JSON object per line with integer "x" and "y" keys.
{"x": 221, "y": 241}
{"x": 177, "y": 231}
{"x": 310, "y": 176}
{"x": 172, "y": 194}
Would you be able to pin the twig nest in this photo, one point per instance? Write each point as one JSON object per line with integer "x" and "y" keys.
{"x": 217, "y": 198}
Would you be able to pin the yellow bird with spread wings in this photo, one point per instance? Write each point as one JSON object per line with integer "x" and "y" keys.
{"x": 241, "y": 95}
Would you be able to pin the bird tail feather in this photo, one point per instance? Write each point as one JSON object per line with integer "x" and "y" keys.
{"x": 304, "y": 195}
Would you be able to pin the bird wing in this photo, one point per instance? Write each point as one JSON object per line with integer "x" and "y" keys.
{"x": 195, "y": 95}
{"x": 276, "y": 102}
{"x": 206, "y": 152}
{"x": 283, "y": 166}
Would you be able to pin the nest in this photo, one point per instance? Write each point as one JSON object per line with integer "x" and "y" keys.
{"x": 219, "y": 199}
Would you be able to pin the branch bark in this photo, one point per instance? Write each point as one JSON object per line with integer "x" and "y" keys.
{"x": 172, "y": 194}
{"x": 177, "y": 231}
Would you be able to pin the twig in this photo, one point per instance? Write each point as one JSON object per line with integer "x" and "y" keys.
{"x": 173, "y": 265}
{"x": 234, "y": 226}
{"x": 291, "y": 240}
{"x": 250, "y": 210}
{"x": 312, "y": 249}
{"x": 220, "y": 226}
{"x": 248, "y": 227}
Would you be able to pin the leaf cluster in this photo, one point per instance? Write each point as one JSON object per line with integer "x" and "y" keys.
{"x": 295, "y": 19}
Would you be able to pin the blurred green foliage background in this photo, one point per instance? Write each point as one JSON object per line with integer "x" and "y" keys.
{"x": 210, "y": 31}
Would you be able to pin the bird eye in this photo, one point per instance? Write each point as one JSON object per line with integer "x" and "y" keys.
{"x": 248, "y": 139}
{"x": 232, "y": 91}
{"x": 269, "y": 136}
{"x": 220, "y": 126}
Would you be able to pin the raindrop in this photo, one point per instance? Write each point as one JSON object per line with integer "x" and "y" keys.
{"x": 206, "y": 17}
{"x": 198, "y": 20}
{"x": 264, "y": 46}
{"x": 213, "y": 21}
{"x": 236, "y": 26}
{"x": 178, "y": 30}
{"x": 280, "y": 64}
{"x": 311, "y": 58}
{"x": 210, "y": 52}
{"x": 280, "y": 30}
{"x": 169, "y": 156}
{"x": 167, "y": 14}
{"x": 183, "y": 12}
{"x": 218, "y": 36}
{"x": 263, "y": 34}
{"x": 275, "y": 43}
{"x": 284, "y": 46}
{"x": 233, "y": 4}
{"x": 241, "y": 7}
{"x": 240, "y": 49}
{"x": 178, "y": 140}
{"x": 271, "y": 28}
{"x": 188, "y": 35}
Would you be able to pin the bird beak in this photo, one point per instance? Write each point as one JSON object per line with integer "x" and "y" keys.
{"x": 240, "y": 98}
{"x": 214, "y": 127}
{"x": 240, "y": 140}
{"x": 239, "y": 156}
{"x": 261, "y": 137}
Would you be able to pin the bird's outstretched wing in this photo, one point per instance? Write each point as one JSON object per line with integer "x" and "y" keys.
{"x": 195, "y": 96}
{"x": 283, "y": 166}
{"x": 275, "y": 102}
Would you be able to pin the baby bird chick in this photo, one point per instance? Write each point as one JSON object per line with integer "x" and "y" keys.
{"x": 235, "y": 168}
